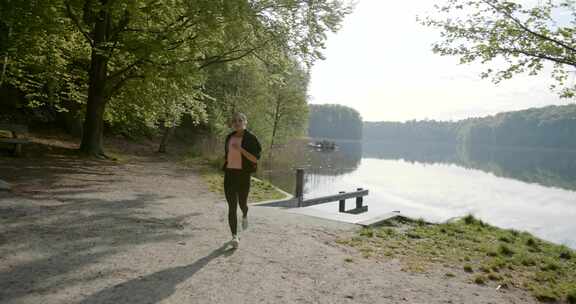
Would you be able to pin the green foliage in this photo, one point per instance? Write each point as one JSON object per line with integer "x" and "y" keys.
{"x": 526, "y": 38}
{"x": 273, "y": 98}
{"x": 42, "y": 55}
{"x": 334, "y": 121}
{"x": 156, "y": 57}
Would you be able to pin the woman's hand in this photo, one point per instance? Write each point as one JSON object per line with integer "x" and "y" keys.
{"x": 248, "y": 155}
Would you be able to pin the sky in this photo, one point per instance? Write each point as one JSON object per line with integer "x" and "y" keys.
{"x": 381, "y": 64}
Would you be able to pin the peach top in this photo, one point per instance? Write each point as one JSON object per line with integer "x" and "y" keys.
{"x": 234, "y": 155}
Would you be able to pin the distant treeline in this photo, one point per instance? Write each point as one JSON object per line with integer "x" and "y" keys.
{"x": 334, "y": 121}
{"x": 551, "y": 126}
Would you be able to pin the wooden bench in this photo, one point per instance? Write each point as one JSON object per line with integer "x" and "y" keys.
{"x": 17, "y": 136}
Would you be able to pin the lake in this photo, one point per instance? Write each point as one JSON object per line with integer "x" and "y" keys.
{"x": 531, "y": 190}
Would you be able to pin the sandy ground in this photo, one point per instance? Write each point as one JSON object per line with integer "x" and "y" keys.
{"x": 148, "y": 231}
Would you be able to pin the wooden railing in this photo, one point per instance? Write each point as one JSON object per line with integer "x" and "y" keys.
{"x": 340, "y": 197}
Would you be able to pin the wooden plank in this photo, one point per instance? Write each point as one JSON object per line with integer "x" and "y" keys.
{"x": 333, "y": 198}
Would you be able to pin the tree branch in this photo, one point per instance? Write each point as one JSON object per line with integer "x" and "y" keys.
{"x": 119, "y": 73}
{"x": 77, "y": 23}
{"x": 537, "y": 55}
{"x": 527, "y": 29}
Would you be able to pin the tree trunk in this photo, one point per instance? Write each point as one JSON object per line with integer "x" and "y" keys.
{"x": 5, "y": 64}
{"x": 274, "y": 128}
{"x": 97, "y": 98}
{"x": 167, "y": 133}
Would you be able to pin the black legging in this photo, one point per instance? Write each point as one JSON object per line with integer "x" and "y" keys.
{"x": 236, "y": 189}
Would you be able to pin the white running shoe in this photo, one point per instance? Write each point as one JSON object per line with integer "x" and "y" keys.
{"x": 244, "y": 223}
{"x": 235, "y": 242}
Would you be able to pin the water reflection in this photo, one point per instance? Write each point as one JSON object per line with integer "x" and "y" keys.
{"x": 328, "y": 164}
{"x": 546, "y": 167}
{"x": 525, "y": 189}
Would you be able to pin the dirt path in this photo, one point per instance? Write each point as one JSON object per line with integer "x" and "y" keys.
{"x": 148, "y": 231}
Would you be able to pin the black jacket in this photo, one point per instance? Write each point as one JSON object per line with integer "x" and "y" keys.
{"x": 249, "y": 143}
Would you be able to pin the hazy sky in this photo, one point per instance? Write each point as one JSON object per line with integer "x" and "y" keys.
{"x": 381, "y": 64}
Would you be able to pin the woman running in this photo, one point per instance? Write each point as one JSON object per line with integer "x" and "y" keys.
{"x": 242, "y": 152}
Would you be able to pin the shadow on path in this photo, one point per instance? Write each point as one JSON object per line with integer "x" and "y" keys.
{"x": 155, "y": 287}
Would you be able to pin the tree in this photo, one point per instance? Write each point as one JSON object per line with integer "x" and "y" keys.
{"x": 526, "y": 38}
{"x": 289, "y": 111}
{"x": 270, "y": 90}
{"x": 132, "y": 40}
{"x": 334, "y": 121}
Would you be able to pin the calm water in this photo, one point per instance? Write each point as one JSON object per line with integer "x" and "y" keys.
{"x": 526, "y": 189}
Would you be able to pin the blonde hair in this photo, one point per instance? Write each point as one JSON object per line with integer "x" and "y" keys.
{"x": 240, "y": 115}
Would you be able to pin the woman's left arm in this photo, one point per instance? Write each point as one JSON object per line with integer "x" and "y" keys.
{"x": 248, "y": 155}
{"x": 252, "y": 157}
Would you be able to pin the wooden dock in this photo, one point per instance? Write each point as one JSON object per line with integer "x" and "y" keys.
{"x": 297, "y": 203}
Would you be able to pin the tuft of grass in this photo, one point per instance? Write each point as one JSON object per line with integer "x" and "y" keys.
{"x": 492, "y": 253}
{"x": 550, "y": 266}
{"x": 494, "y": 277}
{"x": 505, "y": 250}
{"x": 565, "y": 253}
{"x": 367, "y": 232}
{"x": 413, "y": 235}
{"x": 480, "y": 279}
{"x": 469, "y": 219}
{"x": 348, "y": 260}
{"x": 421, "y": 222}
{"x": 505, "y": 239}
{"x": 449, "y": 275}
{"x": 468, "y": 268}
{"x": 546, "y": 295}
{"x": 530, "y": 242}
{"x": 385, "y": 233}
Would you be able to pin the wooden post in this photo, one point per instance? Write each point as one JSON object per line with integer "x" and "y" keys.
{"x": 342, "y": 205}
{"x": 299, "y": 192}
{"x": 359, "y": 200}
{"x": 18, "y": 150}
{"x": 18, "y": 147}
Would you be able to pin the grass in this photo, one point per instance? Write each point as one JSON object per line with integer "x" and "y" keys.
{"x": 210, "y": 170}
{"x": 486, "y": 254}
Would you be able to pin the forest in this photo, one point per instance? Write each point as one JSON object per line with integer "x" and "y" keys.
{"x": 550, "y": 127}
